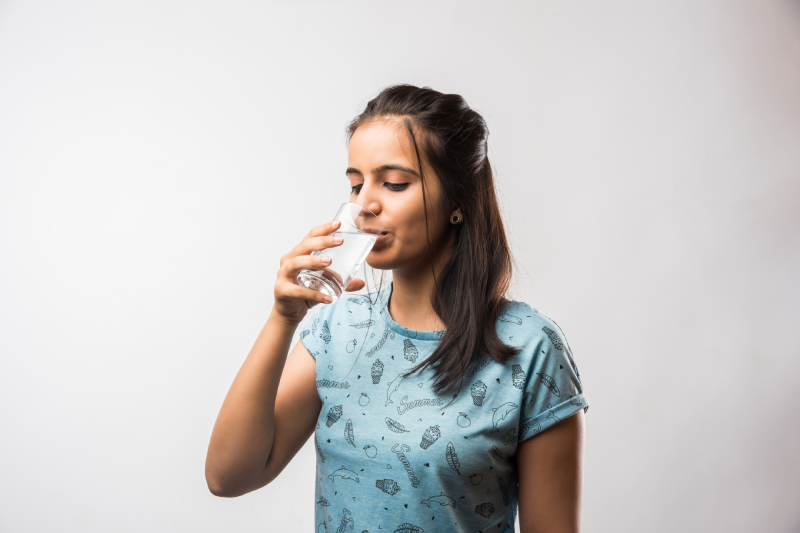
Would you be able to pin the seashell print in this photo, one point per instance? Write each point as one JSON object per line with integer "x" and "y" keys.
{"x": 304, "y": 333}
{"x": 358, "y": 301}
{"x": 348, "y": 432}
{"x": 364, "y": 324}
{"x": 452, "y": 458}
{"x": 549, "y": 383}
{"x": 395, "y": 426}
{"x": 323, "y": 502}
{"x": 351, "y": 345}
{"x": 314, "y": 326}
{"x": 497, "y": 454}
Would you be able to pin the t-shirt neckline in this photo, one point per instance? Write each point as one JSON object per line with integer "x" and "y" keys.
{"x": 401, "y": 330}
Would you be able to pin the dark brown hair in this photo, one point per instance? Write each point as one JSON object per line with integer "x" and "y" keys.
{"x": 470, "y": 291}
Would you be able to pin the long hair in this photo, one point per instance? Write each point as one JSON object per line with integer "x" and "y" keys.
{"x": 469, "y": 293}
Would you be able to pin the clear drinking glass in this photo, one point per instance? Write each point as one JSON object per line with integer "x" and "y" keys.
{"x": 359, "y": 229}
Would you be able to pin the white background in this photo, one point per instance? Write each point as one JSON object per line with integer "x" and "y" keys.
{"x": 158, "y": 157}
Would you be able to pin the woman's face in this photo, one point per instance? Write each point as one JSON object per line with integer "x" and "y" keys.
{"x": 383, "y": 174}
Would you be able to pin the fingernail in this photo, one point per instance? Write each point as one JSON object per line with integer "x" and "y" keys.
{"x": 327, "y": 299}
{"x": 337, "y": 239}
{"x": 325, "y": 260}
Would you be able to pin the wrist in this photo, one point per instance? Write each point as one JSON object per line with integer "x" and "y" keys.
{"x": 283, "y": 322}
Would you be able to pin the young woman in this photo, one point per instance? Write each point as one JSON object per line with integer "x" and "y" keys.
{"x": 437, "y": 405}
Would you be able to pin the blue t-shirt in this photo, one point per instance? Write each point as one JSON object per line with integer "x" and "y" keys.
{"x": 392, "y": 455}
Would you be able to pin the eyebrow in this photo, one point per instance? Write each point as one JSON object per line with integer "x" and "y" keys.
{"x": 382, "y": 168}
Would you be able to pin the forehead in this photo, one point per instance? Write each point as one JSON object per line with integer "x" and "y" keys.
{"x": 382, "y": 139}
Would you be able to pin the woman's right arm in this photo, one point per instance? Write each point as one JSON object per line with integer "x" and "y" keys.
{"x": 272, "y": 406}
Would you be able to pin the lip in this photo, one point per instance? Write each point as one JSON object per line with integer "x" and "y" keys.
{"x": 381, "y": 237}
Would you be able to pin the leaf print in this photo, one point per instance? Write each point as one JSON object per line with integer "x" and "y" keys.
{"x": 363, "y": 324}
{"x": 348, "y": 432}
{"x": 326, "y": 332}
{"x": 549, "y": 382}
{"x": 452, "y": 458}
{"x": 395, "y": 426}
{"x": 554, "y": 338}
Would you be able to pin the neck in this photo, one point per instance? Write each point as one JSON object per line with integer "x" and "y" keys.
{"x": 410, "y": 303}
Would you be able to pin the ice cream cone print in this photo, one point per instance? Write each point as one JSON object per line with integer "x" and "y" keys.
{"x": 389, "y": 486}
{"x": 409, "y": 351}
{"x": 518, "y": 377}
{"x": 377, "y": 371}
{"x": 334, "y": 414}
{"x": 478, "y": 392}
{"x": 430, "y": 436}
{"x": 484, "y": 509}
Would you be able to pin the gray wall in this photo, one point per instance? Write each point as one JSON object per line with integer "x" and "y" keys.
{"x": 157, "y": 159}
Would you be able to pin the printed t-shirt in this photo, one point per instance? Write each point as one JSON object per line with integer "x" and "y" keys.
{"x": 392, "y": 455}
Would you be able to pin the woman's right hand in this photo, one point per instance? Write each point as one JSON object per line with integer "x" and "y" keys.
{"x": 293, "y": 301}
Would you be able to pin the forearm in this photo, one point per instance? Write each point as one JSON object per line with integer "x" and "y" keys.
{"x": 243, "y": 434}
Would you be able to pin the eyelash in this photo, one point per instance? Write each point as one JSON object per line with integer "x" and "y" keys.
{"x": 402, "y": 186}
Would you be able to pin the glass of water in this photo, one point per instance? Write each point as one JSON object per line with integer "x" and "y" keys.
{"x": 359, "y": 230}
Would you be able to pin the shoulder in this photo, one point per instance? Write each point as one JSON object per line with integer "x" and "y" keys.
{"x": 521, "y": 325}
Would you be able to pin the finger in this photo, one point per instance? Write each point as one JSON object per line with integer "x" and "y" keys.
{"x": 291, "y": 267}
{"x": 355, "y": 285}
{"x": 315, "y": 244}
{"x": 324, "y": 229}
{"x": 292, "y": 290}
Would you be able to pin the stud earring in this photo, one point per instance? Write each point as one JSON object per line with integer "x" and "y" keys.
{"x": 455, "y": 219}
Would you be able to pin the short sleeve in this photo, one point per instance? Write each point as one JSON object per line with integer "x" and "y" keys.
{"x": 553, "y": 389}
{"x": 315, "y": 329}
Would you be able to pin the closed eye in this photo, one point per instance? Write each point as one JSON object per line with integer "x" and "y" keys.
{"x": 392, "y": 187}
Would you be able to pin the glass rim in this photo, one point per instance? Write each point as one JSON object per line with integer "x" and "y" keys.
{"x": 380, "y": 224}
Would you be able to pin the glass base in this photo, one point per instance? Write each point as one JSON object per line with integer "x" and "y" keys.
{"x": 312, "y": 280}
